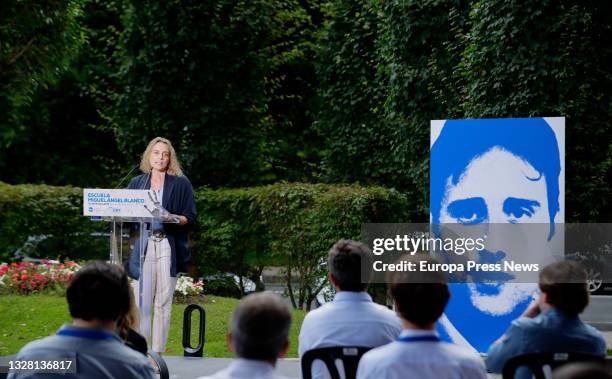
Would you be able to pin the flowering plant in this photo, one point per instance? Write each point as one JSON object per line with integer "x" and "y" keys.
{"x": 185, "y": 286}
{"x": 27, "y": 277}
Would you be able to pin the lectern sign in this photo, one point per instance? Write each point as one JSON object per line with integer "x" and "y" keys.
{"x": 117, "y": 202}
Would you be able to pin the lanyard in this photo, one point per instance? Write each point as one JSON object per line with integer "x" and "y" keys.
{"x": 419, "y": 338}
{"x": 89, "y": 334}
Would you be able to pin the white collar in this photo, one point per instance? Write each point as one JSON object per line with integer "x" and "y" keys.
{"x": 352, "y": 296}
{"x": 418, "y": 332}
{"x": 251, "y": 365}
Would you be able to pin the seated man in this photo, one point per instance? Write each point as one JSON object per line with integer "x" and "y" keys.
{"x": 98, "y": 295}
{"x": 420, "y": 298}
{"x": 259, "y": 335}
{"x": 352, "y": 319}
{"x": 551, "y": 323}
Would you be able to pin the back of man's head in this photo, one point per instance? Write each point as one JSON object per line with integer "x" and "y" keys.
{"x": 260, "y": 327}
{"x": 564, "y": 284}
{"x": 344, "y": 261}
{"x": 99, "y": 291}
{"x": 420, "y": 296}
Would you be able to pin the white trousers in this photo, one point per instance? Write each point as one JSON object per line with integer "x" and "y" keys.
{"x": 157, "y": 291}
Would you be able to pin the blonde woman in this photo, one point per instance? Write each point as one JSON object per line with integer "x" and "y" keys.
{"x": 167, "y": 251}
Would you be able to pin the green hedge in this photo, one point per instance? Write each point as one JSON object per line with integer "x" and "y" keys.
{"x": 238, "y": 230}
{"x": 290, "y": 225}
{"x": 54, "y": 217}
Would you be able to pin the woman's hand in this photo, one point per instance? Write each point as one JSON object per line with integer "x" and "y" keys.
{"x": 182, "y": 220}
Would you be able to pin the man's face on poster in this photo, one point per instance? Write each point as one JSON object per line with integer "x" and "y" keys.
{"x": 499, "y": 179}
{"x": 487, "y": 194}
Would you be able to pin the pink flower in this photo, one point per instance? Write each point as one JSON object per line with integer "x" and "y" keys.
{"x": 27, "y": 277}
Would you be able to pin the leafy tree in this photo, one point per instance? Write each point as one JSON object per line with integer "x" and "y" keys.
{"x": 59, "y": 145}
{"x": 60, "y": 141}
{"x": 423, "y": 42}
{"x": 291, "y": 149}
{"x": 549, "y": 58}
{"x": 352, "y": 90}
{"x": 201, "y": 74}
{"x": 37, "y": 41}
{"x": 388, "y": 68}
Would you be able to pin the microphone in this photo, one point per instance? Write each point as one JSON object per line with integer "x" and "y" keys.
{"x": 144, "y": 184}
{"x": 134, "y": 167}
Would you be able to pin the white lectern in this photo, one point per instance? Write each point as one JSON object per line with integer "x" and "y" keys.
{"x": 139, "y": 208}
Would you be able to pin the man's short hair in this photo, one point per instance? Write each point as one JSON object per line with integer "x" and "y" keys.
{"x": 565, "y": 286}
{"x": 260, "y": 326}
{"x": 99, "y": 291}
{"x": 344, "y": 262}
{"x": 420, "y": 296}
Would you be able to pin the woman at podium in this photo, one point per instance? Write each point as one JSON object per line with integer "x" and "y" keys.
{"x": 167, "y": 251}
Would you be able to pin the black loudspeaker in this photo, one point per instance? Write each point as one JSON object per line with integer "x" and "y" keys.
{"x": 188, "y": 350}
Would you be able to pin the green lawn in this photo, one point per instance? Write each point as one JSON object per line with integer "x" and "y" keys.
{"x": 26, "y": 318}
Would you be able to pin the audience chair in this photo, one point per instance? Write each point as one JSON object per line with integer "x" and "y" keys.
{"x": 537, "y": 363}
{"x": 159, "y": 365}
{"x": 349, "y": 356}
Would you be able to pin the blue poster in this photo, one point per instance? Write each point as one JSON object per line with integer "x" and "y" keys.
{"x": 497, "y": 171}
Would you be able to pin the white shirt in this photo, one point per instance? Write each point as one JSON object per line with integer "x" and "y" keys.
{"x": 159, "y": 192}
{"x": 352, "y": 319}
{"x": 246, "y": 368}
{"x": 421, "y": 359}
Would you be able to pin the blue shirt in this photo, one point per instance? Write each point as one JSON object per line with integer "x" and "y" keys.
{"x": 420, "y": 354}
{"x": 551, "y": 331}
{"x": 99, "y": 354}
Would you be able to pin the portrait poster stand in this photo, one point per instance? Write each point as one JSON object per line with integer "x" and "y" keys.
{"x": 483, "y": 171}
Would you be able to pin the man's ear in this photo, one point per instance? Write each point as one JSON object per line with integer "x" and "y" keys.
{"x": 332, "y": 280}
{"x": 396, "y": 308}
{"x": 284, "y": 350}
{"x": 543, "y": 298}
{"x": 543, "y": 303}
{"x": 230, "y": 342}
